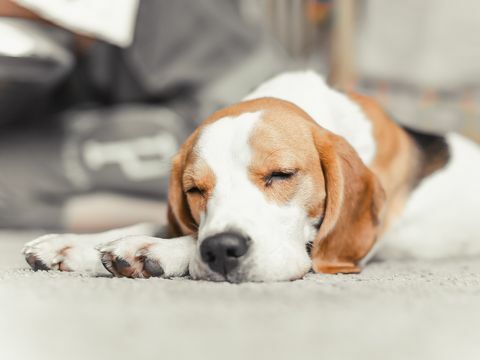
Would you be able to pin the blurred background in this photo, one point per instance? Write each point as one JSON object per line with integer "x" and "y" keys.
{"x": 96, "y": 96}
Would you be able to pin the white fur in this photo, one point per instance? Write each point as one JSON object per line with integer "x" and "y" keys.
{"x": 329, "y": 108}
{"x": 278, "y": 233}
{"x": 442, "y": 216}
{"x": 81, "y": 255}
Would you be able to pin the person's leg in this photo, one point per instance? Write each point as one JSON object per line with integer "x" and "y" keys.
{"x": 105, "y": 168}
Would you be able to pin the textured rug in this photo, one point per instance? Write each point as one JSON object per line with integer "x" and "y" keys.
{"x": 393, "y": 310}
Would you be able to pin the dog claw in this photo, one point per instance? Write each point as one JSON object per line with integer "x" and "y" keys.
{"x": 36, "y": 264}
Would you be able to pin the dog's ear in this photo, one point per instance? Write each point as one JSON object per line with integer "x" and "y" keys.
{"x": 353, "y": 209}
{"x": 180, "y": 219}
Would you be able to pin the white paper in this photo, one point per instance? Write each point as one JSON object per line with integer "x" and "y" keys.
{"x": 109, "y": 20}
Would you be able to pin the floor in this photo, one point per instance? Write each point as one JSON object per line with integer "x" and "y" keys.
{"x": 393, "y": 310}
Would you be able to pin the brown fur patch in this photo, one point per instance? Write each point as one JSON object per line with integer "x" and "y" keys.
{"x": 283, "y": 142}
{"x": 354, "y": 205}
{"x": 197, "y": 174}
{"x": 396, "y": 161}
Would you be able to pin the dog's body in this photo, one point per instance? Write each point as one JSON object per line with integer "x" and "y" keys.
{"x": 297, "y": 165}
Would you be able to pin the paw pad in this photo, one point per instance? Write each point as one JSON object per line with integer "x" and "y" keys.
{"x": 138, "y": 265}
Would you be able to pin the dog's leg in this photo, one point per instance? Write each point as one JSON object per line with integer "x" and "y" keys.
{"x": 143, "y": 256}
{"x": 72, "y": 252}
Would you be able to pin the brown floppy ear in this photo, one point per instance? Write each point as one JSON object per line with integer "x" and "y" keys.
{"x": 354, "y": 203}
{"x": 180, "y": 218}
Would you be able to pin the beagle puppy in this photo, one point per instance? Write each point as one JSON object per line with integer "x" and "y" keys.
{"x": 296, "y": 177}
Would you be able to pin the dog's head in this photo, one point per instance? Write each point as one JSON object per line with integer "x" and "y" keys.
{"x": 259, "y": 183}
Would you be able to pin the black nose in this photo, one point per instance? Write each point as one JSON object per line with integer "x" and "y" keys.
{"x": 222, "y": 251}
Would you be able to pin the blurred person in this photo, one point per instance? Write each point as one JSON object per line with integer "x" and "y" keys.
{"x": 419, "y": 59}
{"x": 96, "y": 97}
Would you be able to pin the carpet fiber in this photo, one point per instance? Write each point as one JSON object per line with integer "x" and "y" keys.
{"x": 393, "y": 310}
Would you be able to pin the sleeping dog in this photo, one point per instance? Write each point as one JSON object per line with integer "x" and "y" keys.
{"x": 296, "y": 177}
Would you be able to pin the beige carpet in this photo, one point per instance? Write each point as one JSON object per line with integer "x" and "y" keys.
{"x": 393, "y": 310}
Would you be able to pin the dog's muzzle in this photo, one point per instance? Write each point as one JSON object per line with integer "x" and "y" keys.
{"x": 222, "y": 251}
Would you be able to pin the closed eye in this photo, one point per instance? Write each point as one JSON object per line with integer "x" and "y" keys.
{"x": 278, "y": 176}
{"x": 194, "y": 190}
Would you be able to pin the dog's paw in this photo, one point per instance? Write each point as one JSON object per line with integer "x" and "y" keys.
{"x": 128, "y": 257}
{"x": 41, "y": 255}
{"x": 145, "y": 257}
{"x": 65, "y": 252}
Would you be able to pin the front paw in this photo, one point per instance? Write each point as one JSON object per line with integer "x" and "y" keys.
{"x": 145, "y": 257}
{"x": 47, "y": 253}
{"x": 65, "y": 252}
{"x": 129, "y": 257}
